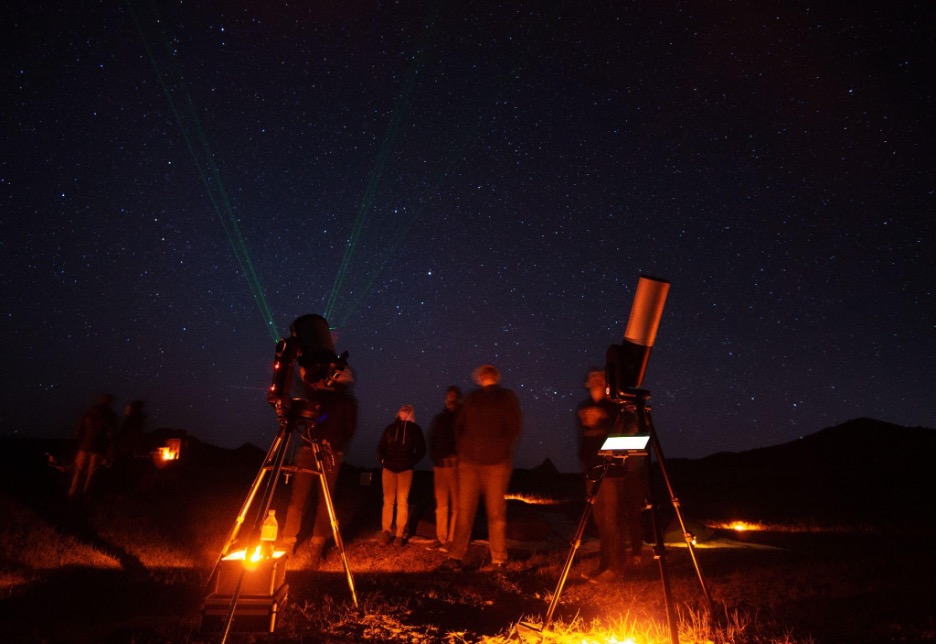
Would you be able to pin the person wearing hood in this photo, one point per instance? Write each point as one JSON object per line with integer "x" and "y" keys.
{"x": 401, "y": 446}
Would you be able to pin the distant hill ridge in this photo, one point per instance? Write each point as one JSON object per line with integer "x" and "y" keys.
{"x": 863, "y": 471}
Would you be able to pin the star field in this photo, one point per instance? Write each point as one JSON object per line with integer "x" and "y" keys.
{"x": 453, "y": 185}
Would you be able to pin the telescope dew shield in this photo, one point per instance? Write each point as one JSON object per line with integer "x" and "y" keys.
{"x": 626, "y": 363}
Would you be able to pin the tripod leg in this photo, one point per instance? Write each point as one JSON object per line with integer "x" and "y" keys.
{"x": 336, "y": 530}
{"x": 274, "y": 462}
{"x": 659, "y": 550}
{"x": 272, "y": 456}
{"x": 655, "y": 443}
{"x": 576, "y": 542}
{"x": 232, "y": 608}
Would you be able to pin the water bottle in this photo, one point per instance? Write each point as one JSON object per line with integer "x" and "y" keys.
{"x": 268, "y": 533}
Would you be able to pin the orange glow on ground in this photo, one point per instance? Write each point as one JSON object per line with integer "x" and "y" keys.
{"x": 530, "y": 499}
{"x": 744, "y": 526}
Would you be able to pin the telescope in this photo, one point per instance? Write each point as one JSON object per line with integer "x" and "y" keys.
{"x": 310, "y": 346}
{"x": 633, "y": 435}
{"x": 626, "y": 363}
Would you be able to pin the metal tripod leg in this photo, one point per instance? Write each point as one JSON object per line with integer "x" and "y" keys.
{"x": 278, "y": 448}
{"x": 576, "y": 542}
{"x": 674, "y": 500}
{"x": 659, "y": 553}
{"x": 336, "y": 530}
{"x": 273, "y": 463}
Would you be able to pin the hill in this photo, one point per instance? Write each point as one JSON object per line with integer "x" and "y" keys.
{"x": 863, "y": 471}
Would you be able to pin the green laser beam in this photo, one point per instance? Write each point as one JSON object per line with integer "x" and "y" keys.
{"x": 208, "y": 171}
{"x": 394, "y": 237}
{"x": 392, "y": 134}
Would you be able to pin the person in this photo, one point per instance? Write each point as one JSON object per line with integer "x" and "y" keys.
{"x": 445, "y": 467}
{"x": 126, "y": 444}
{"x": 94, "y": 431}
{"x": 486, "y": 429}
{"x": 621, "y": 497}
{"x": 332, "y": 434}
{"x": 401, "y": 446}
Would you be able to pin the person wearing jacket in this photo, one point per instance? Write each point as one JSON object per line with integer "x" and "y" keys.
{"x": 622, "y": 496}
{"x": 486, "y": 430}
{"x": 445, "y": 466}
{"x": 333, "y": 433}
{"x": 401, "y": 446}
{"x": 95, "y": 430}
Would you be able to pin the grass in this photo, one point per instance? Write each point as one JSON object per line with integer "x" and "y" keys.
{"x": 142, "y": 561}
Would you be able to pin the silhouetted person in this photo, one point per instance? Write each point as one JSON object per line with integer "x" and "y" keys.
{"x": 486, "y": 429}
{"x": 401, "y": 446}
{"x": 445, "y": 466}
{"x": 126, "y": 444}
{"x": 622, "y": 495}
{"x": 333, "y": 433}
{"x": 94, "y": 431}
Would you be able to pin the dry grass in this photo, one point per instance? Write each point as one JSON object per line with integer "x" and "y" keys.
{"x": 142, "y": 561}
{"x": 30, "y": 545}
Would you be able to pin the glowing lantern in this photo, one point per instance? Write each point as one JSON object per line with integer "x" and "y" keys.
{"x": 168, "y": 453}
{"x": 260, "y": 580}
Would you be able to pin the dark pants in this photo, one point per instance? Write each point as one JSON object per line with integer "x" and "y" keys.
{"x": 490, "y": 482}
{"x": 617, "y": 514}
{"x": 301, "y": 487}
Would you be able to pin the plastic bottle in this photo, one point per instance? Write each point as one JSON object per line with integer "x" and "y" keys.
{"x": 268, "y": 532}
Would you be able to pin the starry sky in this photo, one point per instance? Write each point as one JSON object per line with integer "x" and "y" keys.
{"x": 458, "y": 183}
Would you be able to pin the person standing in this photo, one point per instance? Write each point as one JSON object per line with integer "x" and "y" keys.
{"x": 401, "y": 446}
{"x": 445, "y": 466}
{"x": 486, "y": 429}
{"x": 333, "y": 433}
{"x": 621, "y": 497}
{"x": 95, "y": 430}
{"x": 126, "y": 445}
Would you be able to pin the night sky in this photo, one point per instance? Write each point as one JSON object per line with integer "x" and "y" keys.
{"x": 459, "y": 183}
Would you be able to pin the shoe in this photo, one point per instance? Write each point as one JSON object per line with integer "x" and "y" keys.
{"x": 497, "y": 568}
{"x": 435, "y": 545}
{"x": 445, "y": 547}
{"x": 605, "y": 577}
{"x": 399, "y": 542}
{"x": 384, "y": 538}
{"x": 591, "y": 574}
{"x": 450, "y": 565}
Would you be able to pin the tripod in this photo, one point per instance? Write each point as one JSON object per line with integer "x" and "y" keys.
{"x": 634, "y": 403}
{"x": 298, "y": 415}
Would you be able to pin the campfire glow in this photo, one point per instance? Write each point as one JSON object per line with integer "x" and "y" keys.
{"x": 743, "y": 526}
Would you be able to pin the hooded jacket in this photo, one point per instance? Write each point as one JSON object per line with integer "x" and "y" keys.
{"x": 401, "y": 446}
